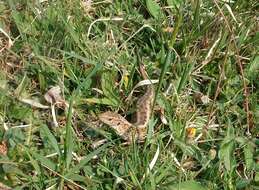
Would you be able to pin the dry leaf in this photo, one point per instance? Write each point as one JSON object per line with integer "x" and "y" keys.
{"x": 205, "y": 99}
{"x": 3, "y": 148}
{"x": 53, "y": 95}
{"x": 33, "y": 103}
{"x": 162, "y": 116}
{"x": 98, "y": 143}
{"x": 87, "y": 5}
{"x": 212, "y": 153}
{"x": 9, "y": 42}
{"x": 189, "y": 164}
{"x": 4, "y": 187}
{"x": 54, "y": 98}
{"x": 141, "y": 83}
{"x": 168, "y": 29}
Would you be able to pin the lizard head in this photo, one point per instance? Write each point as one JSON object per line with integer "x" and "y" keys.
{"x": 113, "y": 119}
{"x": 109, "y": 118}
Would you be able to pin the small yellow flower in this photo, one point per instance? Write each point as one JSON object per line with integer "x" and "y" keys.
{"x": 191, "y": 132}
{"x": 126, "y": 80}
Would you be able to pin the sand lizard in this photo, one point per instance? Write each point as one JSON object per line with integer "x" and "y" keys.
{"x": 132, "y": 131}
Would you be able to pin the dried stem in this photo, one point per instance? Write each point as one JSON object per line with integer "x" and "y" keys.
{"x": 246, "y": 93}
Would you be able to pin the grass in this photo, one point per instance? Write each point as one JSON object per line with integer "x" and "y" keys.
{"x": 206, "y": 117}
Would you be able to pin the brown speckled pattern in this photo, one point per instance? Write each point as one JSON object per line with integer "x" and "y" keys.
{"x": 144, "y": 107}
{"x": 117, "y": 122}
{"x": 125, "y": 129}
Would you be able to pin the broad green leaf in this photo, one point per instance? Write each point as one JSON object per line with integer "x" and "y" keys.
{"x": 162, "y": 172}
{"x": 76, "y": 177}
{"x": 69, "y": 143}
{"x": 13, "y": 170}
{"x": 152, "y": 124}
{"x": 184, "y": 147}
{"x": 174, "y": 3}
{"x": 42, "y": 82}
{"x": 249, "y": 152}
{"x": 241, "y": 140}
{"x": 243, "y": 184}
{"x": 51, "y": 138}
{"x": 226, "y": 152}
{"x": 86, "y": 80}
{"x": 187, "y": 185}
{"x": 33, "y": 162}
{"x": 187, "y": 71}
{"x": 22, "y": 86}
{"x": 190, "y": 150}
{"x": 153, "y": 8}
{"x": 107, "y": 82}
{"x": 44, "y": 161}
{"x": 168, "y": 60}
{"x": 253, "y": 68}
{"x": 108, "y": 87}
{"x": 16, "y": 111}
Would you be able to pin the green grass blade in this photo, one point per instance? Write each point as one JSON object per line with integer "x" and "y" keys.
{"x": 176, "y": 28}
{"x": 77, "y": 56}
{"x": 44, "y": 161}
{"x": 52, "y": 140}
{"x": 186, "y": 185}
{"x": 69, "y": 142}
{"x": 75, "y": 37}
{"x": 84, "y": 161}
{"x": 169, "y": 59}
{"x": 96, "y": 68}
{"x": 154, "y": 8}
{"x": 34, "y": 163}
{"x": 186, "y": 73}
